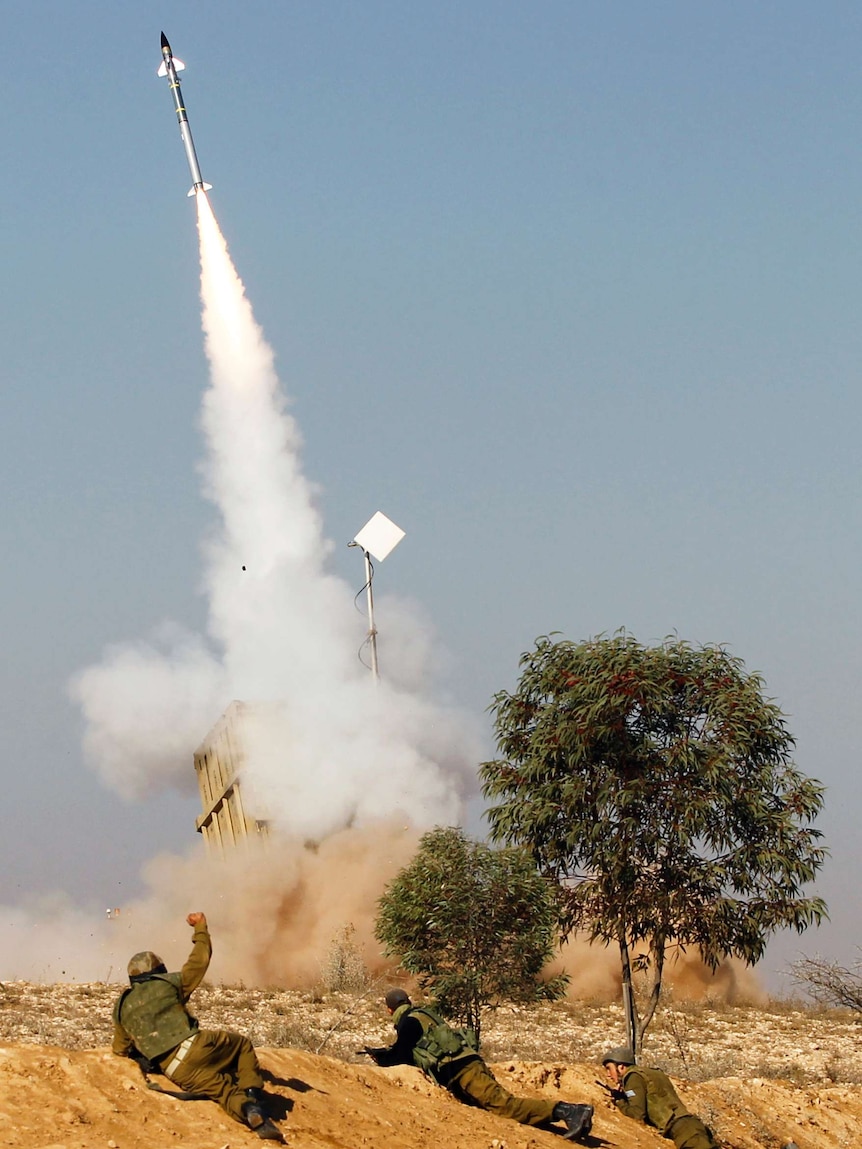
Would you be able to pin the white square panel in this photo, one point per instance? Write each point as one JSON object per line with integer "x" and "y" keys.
{"x": 379, "y": 536}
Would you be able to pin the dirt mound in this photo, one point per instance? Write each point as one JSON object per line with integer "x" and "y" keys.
{"x": 759, "y": 1075}
{"x": 52, "y": 1098}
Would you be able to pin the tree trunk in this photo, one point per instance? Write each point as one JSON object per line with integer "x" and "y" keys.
{"x": 657, "y": 962}
{"x": 633, "y": 1031}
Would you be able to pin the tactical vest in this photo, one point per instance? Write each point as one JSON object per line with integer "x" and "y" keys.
{"x": 663, "y": 1105}
{"x": 153, "y": 1014}
{"x": 440, "y": 1043}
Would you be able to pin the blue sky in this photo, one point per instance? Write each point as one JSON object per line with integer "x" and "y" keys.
{"x": 569, "y": 290}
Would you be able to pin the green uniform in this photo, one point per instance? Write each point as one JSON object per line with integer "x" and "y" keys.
{"x": 651, "y": 1098}
{"x": 151, "y": 1017}
{"x": 480, "y": 1087}
{"x": 465, "y": 1074}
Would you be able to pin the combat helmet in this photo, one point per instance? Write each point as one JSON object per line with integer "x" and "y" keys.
{"x": 145, "y": 962}
{"x": 396, "y": 997}
{"x": 621, "y": 1055}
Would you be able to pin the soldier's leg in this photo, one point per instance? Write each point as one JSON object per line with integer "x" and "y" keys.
{"x": 221, "y": 1065}
{"x": 247, "y": 1067}
{"x": 690, "y": 1133}
{"x": 479, "y": 1084}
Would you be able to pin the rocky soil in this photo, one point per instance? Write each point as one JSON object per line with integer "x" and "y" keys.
{"x": 760, "y": 1076}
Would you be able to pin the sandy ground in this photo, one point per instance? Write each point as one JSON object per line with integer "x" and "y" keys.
{"x": 759, "y": 1076}
{"x": 88, "y": 1099}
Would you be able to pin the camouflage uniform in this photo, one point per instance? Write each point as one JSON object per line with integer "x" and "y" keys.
{"x": 466, "y": 1075}
{"x": 151, "y": 1017}
{"x": 651, "y": 1098}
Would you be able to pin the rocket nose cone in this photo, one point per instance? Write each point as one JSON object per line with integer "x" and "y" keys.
{"x": 165, "y": 43}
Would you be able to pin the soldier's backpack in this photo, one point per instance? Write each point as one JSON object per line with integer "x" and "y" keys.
{"x": 440, "y": 1042}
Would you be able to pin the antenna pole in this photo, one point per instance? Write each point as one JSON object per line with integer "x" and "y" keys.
{"x": 372, "y": 629}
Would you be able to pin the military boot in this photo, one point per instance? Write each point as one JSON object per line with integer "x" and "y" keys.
{"x": 578, "y": 1119}
{"x": 259, "y": 1123}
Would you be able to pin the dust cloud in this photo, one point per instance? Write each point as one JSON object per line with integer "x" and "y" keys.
{"x": 275, "y": 908}
{"x": 275, "y": 911}
{"x": 595, "y": 975}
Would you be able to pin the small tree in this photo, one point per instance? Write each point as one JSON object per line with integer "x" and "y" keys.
{"x": 343, "y": 970}
{"x": 476, "y": 926}
{"x": 656, "y": 786}
{"x": 828, "y": 982}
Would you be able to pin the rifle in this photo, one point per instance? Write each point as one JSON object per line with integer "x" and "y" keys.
{"x": 616, "y": 1094}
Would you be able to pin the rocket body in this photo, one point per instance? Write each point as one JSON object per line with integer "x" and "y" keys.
{"x": 169, "y": 67}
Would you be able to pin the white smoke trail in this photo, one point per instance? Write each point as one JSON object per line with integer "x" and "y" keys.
{"x": 328, "y": 750}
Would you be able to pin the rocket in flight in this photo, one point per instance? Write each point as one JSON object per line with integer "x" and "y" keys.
{"x": 169, "y": 67}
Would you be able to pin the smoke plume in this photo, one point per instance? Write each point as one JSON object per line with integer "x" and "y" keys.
{"x": 327, "y": 750}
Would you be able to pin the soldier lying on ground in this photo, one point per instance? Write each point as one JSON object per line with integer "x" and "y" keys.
{"x": 425, "y": 1040}
{"x": 153, "y": 1026}
{"x": 647, "y": 1095}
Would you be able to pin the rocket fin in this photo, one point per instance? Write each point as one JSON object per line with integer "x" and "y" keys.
{"x": 178, "y": 66}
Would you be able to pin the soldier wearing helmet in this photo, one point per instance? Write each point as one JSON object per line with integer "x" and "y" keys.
{"x": 459, "y": 1068}
{"x": 647, "y": 1095}
{"x": 153, "y": 1025}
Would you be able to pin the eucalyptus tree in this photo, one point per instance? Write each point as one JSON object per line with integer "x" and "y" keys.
{"x": 656, "y": 785}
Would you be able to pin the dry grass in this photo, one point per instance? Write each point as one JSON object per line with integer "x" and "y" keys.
{"x": 788, "y": 1040}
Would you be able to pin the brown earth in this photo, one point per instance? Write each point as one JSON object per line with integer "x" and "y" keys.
{"x": 760, "y": 1076}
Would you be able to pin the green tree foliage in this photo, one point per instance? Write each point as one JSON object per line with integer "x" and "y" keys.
{"x": 476, "y": 926}
{"x": 656, "y": 785}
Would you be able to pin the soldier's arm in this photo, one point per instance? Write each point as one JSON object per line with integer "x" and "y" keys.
{"x": 198, "y": 961}
{"x": 401, "y": 1051}
{"x": 633, "y": 1103}
{"x": 122, "y": 1044}
{"x": 612, "y": 1091}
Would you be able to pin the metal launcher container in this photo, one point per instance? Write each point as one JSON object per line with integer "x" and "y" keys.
{"x": 219, "y": 760}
